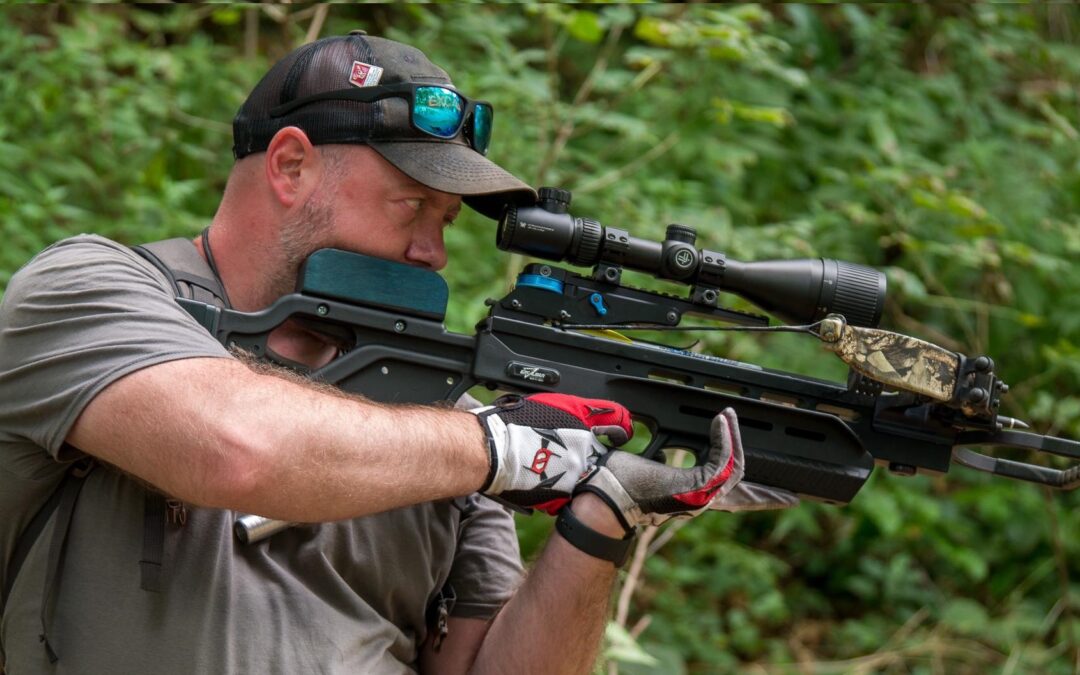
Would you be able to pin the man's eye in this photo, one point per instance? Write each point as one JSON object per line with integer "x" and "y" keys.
{"x": 414, "y": 204}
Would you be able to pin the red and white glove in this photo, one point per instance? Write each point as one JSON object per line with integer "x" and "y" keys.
{"x": 542, "y": 444}
{"x": 645, "y": 492}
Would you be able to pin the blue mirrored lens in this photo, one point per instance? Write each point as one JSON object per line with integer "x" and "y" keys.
{"x": 438, "y": 111}
{"x": 482, "y": 119}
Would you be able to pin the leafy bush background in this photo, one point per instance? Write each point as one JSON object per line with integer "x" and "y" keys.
{"x": 939, "y": 144}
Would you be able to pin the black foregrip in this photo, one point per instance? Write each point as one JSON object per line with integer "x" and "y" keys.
{"x": 829, "y": 481}
{"x": 809, "y": 478}
{"x": 833, "y": 483}
{"x": 810, "y": 454}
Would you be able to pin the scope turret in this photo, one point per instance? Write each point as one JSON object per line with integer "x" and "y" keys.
{"x": 800, "y": 291}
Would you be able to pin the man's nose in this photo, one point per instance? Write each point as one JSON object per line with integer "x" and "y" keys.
{"x": 428, "y": 249}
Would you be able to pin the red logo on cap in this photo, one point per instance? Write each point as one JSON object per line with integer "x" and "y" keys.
{"x": 365, "y": 74}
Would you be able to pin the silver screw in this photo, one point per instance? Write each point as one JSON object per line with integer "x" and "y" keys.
{"x": 516, "y": 304}
{"x": 672, "y": 317}
{"x": 564, "y": 315}
{"x": 322, "y": 310}
{"x": 384, "y": 370}
{"x": 399, "y": 326}
{"x": 449, "y": 380}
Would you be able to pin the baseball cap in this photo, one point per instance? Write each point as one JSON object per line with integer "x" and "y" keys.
{"x": 359, "y": 60}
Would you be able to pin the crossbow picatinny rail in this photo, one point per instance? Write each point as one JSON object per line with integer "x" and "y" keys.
{"x": 908, "y": 405}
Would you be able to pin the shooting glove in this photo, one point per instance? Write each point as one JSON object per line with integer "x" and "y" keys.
{"x": 542, "y": 444}
{"x": 644, "y": 492}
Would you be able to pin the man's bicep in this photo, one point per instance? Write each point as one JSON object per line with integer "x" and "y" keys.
{"x": 458, "y": 649}
{"x": 167, "y": 424}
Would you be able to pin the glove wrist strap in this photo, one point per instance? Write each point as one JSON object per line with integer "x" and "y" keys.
{"x": 587, "y": 540}
{"x": 493, "y": 451}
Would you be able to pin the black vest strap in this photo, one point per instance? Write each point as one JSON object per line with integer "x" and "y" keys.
{"x": 153, "y": 547}
{"x": 33, "y": 530}
{"x": 181, "y": 263}
{"x": 65, "y": 507}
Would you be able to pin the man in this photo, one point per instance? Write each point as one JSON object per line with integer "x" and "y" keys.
{"x": 356, "y": 143}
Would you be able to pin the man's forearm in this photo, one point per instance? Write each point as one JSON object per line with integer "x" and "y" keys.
{"x": 214, "y": 433}
{"x": 554, "y": 623}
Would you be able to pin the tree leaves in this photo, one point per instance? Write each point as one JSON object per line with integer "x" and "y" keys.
{"x": 936, "y": 142}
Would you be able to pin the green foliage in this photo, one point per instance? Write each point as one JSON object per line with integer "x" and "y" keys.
{"x": 103, "y": 130}
{"x": 938, "y": 143}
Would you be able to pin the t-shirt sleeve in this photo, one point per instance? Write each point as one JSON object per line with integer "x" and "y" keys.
{"x": 79, "y": 316}
{"x": 487, "y": 568}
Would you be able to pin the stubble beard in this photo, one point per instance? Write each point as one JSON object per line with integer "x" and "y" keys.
{"x": 298, "y": 238}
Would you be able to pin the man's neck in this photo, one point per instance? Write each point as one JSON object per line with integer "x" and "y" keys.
{"x": 289, "y": 340}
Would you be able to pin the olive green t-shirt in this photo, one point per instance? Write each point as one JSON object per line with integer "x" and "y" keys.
{"x": 347, "y": 597}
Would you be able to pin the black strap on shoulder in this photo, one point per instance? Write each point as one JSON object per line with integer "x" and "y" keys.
{"x": 190, "y": 274}
{"x": 29, "y": 536}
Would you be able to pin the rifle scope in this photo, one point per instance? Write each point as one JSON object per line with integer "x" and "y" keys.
{"x": 799, "y": 291}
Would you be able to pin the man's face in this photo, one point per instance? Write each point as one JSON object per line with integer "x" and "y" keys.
{"x": 368, "y": 206}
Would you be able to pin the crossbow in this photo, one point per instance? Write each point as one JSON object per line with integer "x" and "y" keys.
{"x": 908, "y": 405}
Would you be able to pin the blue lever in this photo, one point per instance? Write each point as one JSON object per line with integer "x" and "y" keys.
{"x": 597, "y": 301}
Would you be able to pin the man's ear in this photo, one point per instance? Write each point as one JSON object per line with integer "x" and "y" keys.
{"x": 293, "y": 168}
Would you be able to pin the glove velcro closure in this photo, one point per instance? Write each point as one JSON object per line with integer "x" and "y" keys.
{"x": 606, "y": 486}
{"x": 482, "y": 417}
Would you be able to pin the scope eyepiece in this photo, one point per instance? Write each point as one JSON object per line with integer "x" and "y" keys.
{"x": 555, "y": 236}
{"x": 800, "y": 291}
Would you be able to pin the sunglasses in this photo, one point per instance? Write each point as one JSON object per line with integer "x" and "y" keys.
{"x": 438, "y": 111}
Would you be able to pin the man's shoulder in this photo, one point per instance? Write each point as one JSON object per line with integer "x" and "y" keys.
{"x": 85, "y": 249}
{"x": 88, "y": 259}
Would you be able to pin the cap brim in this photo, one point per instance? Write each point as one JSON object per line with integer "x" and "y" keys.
{"x": 459, "y": 170}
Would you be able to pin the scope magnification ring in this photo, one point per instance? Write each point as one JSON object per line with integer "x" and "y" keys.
{"x": 587, "y": 251}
